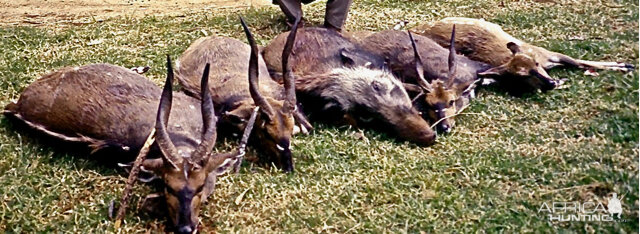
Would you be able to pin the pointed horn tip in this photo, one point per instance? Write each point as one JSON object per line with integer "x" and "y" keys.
{"x": 205, "y": 78}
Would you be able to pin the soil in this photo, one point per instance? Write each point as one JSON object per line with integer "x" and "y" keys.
{"x": 77, "y": 12}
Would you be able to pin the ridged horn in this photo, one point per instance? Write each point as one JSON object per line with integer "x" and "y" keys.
{"x": 201, "y": 154}
{"x": 422, "y": 82}
{"x": 169, "y": 151}
{"x": 452, "y": 58}
{"x": 289, "y": 79}
{"x": 254, "y": 87}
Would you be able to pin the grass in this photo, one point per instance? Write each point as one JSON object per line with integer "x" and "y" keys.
{"x": 504, "y": 159}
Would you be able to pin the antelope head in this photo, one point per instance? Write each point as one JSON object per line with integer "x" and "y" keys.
{"x": 523, "y": 66}
{"x": 275, "y": 123}
{"x": 439, "y": 96}
{"x": 186, "y": 169}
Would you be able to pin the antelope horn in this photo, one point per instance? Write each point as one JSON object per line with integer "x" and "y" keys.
{"x": 422, "y": 82}
{"x": 169, "y": 151}
{"x": 201, "y": 154}
{"x": 289, "y": 80}
{"x": 452, "y": 58}
{"x": 254, "y": 88}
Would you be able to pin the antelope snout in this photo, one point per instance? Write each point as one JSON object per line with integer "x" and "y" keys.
{"x": 444, "y": 127}
{"x": 185, "y": 229}
{"x": 286, "y": 159}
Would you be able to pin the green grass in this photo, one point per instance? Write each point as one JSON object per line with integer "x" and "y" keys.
{"x": 504, "y": 159}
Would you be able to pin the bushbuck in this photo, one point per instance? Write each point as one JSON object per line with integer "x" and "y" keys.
{"x": 445, "y": 81}
{"x": 519, "y": 65}
{"x": 337, "y": 81}
{"x": 236, "y": 93}
{"x": 106, "y": 106}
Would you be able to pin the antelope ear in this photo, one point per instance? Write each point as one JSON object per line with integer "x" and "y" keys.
{"x": 224, "y": 167}
{"x": 513, "y": 47}
{"x": 154, "y": 165}
{"x": 209, "y": 186}
{"x": 237, "y": 116}
{"x": 463, "y": 87}
{"x": 347, "y": 57}
{"x": 154, "y": 205}
{"x": 491, "y": 72}
{"x": 411, "y": 88}
{"x": 219, "y": 163}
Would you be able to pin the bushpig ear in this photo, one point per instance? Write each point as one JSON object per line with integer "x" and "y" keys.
{"x": 348, "y": 58}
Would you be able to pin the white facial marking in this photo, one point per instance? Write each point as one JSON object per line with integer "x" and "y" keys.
{"x": 279, "y": 147}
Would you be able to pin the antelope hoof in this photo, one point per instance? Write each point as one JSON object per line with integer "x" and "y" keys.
{"x": 629, "y": 66}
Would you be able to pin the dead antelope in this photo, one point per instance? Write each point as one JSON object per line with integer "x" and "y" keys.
{"x": 106, "y": 106}
{"x": 236, "y": 94}
{"x": 487, "y": 42}
{"x": 446, "y": 82}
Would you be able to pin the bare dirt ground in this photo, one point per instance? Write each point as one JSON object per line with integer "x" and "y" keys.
{"x": 76, "y": 12}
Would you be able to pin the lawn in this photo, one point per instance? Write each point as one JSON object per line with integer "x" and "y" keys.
{"x": 506, "y": 157}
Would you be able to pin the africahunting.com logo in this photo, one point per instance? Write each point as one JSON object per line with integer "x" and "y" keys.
{"x": 567, "y": 211}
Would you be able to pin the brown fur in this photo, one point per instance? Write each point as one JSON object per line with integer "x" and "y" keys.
{"x": 105, "y": 104}
{"x": 487, "y": 42}
{"x": 396, "y": 47}
{"x": 230, "y": 90}
{"x": 309, "y": 59}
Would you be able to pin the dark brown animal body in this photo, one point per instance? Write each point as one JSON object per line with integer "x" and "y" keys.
{"x": 109, "y": 106}
{"x": 318, "y": 51}
{"x": 236, "y": 93}
{"x": 524, "y": 63}
{"x": 103, "y": 105}
{"x": 396, "y": 47}
{"x": 336, "y": 80}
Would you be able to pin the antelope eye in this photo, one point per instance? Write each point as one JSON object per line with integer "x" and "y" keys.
{"x": 451, "y": 103}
